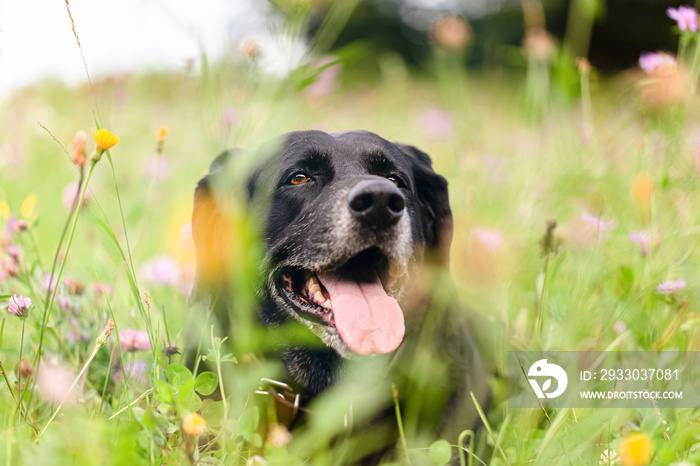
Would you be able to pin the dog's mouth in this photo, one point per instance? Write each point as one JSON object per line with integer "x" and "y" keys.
{"x": 351, "y": 299}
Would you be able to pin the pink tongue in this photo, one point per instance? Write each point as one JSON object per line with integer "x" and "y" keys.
{"x": 367, "y": 319}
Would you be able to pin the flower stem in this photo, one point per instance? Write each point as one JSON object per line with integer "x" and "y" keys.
{"x": 52, "y": 290}
{"x": 19, "y": 376}
{"x": 48, "y": 306}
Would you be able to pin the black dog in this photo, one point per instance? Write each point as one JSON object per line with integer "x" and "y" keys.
{"x": 357, "y": 235}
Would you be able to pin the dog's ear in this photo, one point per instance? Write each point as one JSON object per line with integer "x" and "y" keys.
{"x": 431, "y": 190}
{"x": 209, "y": 229}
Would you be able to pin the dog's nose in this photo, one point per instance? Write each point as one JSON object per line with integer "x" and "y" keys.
{"x": 378, "y": 203}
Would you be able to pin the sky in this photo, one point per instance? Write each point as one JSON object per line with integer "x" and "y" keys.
{"x": 36, "y": 40}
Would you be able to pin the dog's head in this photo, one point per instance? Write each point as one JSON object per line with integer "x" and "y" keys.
{"x": 348, "y": 217}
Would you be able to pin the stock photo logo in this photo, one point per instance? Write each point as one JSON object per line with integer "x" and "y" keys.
{"x": 543, "y": 369}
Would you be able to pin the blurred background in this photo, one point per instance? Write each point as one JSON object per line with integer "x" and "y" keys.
{"x": 572, "y": 159}
{"x": 133, "y": 35}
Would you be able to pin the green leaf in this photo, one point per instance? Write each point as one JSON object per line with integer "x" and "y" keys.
{"x": 164, "y": 394}
{"x": 213, "y": 412}
{"x": 206, "y": 383}
{"x": 440, "y": 452}
{"x": 178, "y": 374}
{"x": 250, "y": 419}
{"x": 187, "y": 399}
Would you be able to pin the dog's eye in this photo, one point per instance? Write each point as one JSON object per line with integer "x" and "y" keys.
{"x": 299, "y": 178}
{"x": 395, "y": 180}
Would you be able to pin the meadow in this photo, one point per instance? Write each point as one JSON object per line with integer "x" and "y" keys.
{"x": 576, "y": 224}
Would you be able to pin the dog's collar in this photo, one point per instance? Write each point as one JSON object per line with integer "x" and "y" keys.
{"x": 287, "y": 403}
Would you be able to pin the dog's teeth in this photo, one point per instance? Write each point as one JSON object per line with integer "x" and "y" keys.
{"x": 327, "y": 304}
{"x": 313, "y": 286}
{"x": 318, "y": 296}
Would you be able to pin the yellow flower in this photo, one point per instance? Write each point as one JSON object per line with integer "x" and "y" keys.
{"x": 104, "y": 139}
{"x": 161, "y": 133}
{"x": 194, "y": 425}
{"x": 27, "y": 208}
{"x": 635, "y": 450}
{"x": 5, "y": 209}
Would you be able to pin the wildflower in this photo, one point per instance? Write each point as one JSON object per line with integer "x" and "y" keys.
{"x": 685, "y": 16}
{"x": 670, "y": 286}
{"x": 550, "y": 242}
{"x": 250, "y": 47}
{"x": 194, "y": 425}
{"x": 104, "y": 141}
{"x": 46, "y": 283}
{"x": 24, "y": 369}
{"x": 171, "y": 350}
{"x": 256, "y": 460}
{"x": 22, "y": 225}
{"x": 278, "y": 436}
{"x": 643, "y": 187}
{"x": 584, "y": 66}
{"x": 609, "y": 458}
{"x": 437, "y": 123}
{"x": 19, "y": 306}
{"x": 74, "y": 286}
{"x": 79, "y": 145}
{"x": 80, "y": 141}
{"x": 69, "y": 194}
{"x": 492, "y": 240}
{"x": 99, "y": 289}
{"x": 161, "y": 270}
{"x": 649, "y": 62}
{"x": 105, "y": 333}
{"x": 54, "y": 381}
{"x": 14, "y": 252}
{"x": 635, "y": 450}
{"x": 28, "y": 205}
{"x": 161, "y": 133}
{"x": 157, "y": 167}
{"x": 451, "y": 32}
{"x": 134, "y": 340}
{"x": 327, "y": 80}
{"x": 5, "y": 209}
{"x": 228, "y": 116}
{"x": 539, "y": 44}
{"x": 619, "y": 327}
{"x": 643, "y": 239}
{"x": 601, "y": 226}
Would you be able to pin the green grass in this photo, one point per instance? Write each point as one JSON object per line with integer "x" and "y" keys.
{"x": 509, "y": 170}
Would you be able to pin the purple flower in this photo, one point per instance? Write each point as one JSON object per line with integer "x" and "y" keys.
{"x": 14, "y": 252}
{"x": 619, "y": 326}
{"x": 162, "y": 270}
{"x": 229, "y": 116}
{"x": 54, "y": 381}
{"x": 685, "y": 16}
{"x": 650, "y": 61}
{"x": 69, "y": 193}
{"x": 136, "y": 371}
{"x": 670, "y": 286}
{"x": 19, "y": 306}
{"x": 643, "y": 239}
{"x": 437, "y": 123}
{"x": 326, "y": 80}
{"x": 134, "y": 340}
{"x": 492, "y": 240}
{"x": 157, "y": 167}
{"x": 601, "y": 226}
{"x": 46, "y": 283}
